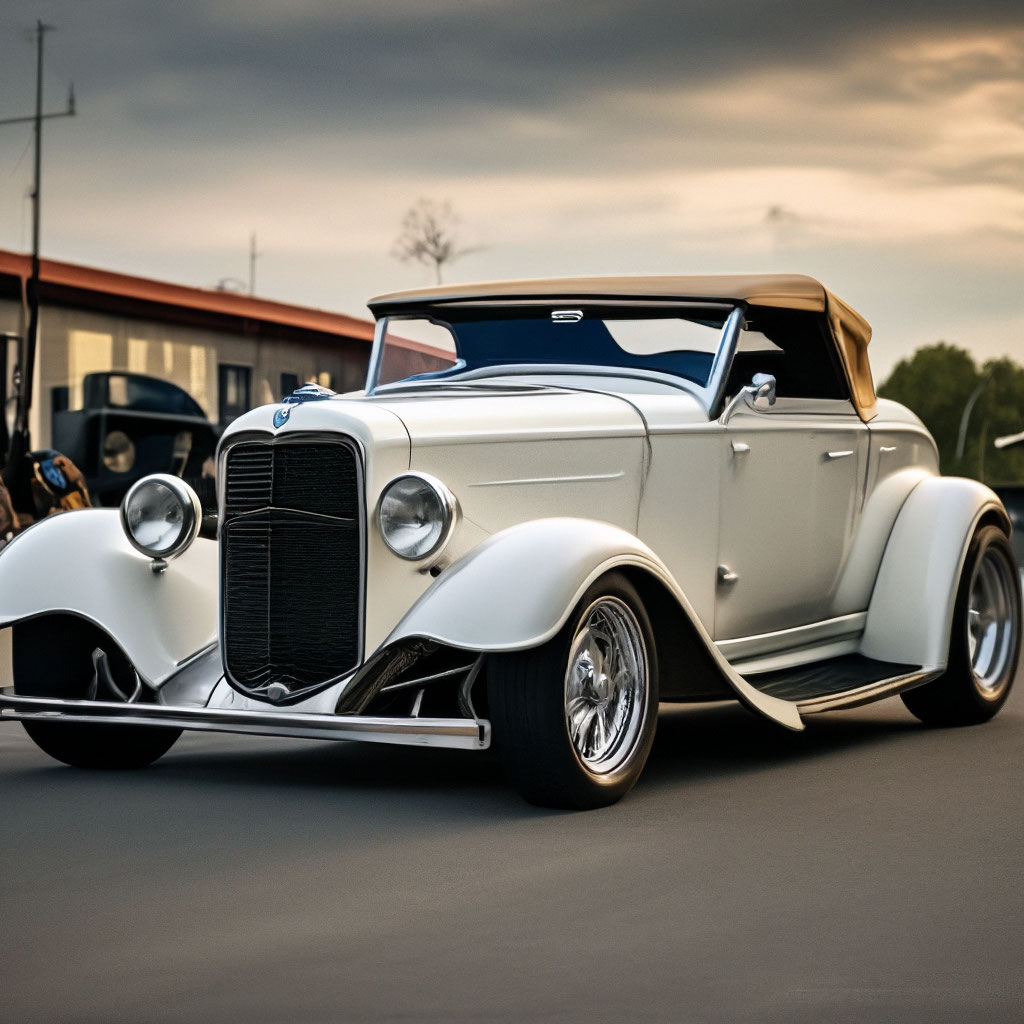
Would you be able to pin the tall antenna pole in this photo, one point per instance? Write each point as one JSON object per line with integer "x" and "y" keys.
{"x": 32, "y": 337}
{"x": 27, "y": 360}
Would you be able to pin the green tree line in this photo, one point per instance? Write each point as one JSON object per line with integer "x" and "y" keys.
{"x": 938, "y": 382}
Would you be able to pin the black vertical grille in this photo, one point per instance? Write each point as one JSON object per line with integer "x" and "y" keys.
{"x": 291, "y": 558}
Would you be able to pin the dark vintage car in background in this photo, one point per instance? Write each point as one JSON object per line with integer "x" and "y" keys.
{"x": 132, "y": 425}
{"x": 129, "y": 425}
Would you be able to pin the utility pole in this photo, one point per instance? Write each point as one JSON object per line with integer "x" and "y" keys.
{"x": 19, "y": 443}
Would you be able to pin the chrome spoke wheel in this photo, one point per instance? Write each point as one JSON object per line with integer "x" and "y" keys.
{"x": 606, "y": 686}
{"x": 576, "y": 716}
{"x": 993, "y": 619}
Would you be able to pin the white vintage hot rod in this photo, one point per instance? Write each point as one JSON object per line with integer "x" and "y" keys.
{"x": 555, "y": 504}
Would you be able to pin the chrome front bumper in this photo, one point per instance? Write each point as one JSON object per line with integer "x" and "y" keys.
{"x": 456, "y": 733}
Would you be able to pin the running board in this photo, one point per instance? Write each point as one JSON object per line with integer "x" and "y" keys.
{"x": 458, "y": 733}
{"x": 844, "y": 682}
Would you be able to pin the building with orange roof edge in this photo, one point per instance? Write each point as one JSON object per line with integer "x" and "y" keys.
{"x": 231, "y": 352}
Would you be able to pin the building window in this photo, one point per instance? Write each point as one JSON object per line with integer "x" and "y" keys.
{"x": 88, "y": 352}
{"x": 234, "y": 387}
{"x": 289, "y": 383}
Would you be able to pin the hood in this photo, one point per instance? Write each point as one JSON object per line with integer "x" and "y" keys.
{"x": 468, "y": 414}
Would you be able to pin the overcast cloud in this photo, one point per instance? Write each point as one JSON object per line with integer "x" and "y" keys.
{"x": 583, "y": 138}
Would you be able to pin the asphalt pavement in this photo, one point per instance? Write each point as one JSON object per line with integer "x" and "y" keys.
{"x": 868, "y": 869}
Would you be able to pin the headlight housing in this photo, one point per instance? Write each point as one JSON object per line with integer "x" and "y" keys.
{"x": 161, "y": 515}
{"x": 416, "y": 514}
{"x": 118, "y": 452}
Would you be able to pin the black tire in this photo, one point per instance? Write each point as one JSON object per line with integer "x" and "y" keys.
{"x": 102, "y": 746}
{"x": 528, "y": 692}
{"x": 974, "y": 687}
{"x": 52, "y": 657}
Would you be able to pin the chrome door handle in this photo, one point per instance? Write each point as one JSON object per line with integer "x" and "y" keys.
{"x": 887, "y": 448}
{"x": 839, "y": 455}
{"x": 726, "y": 575}
{"x": 739, "y": 448}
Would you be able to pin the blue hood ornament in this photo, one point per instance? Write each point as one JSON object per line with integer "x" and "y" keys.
{"x": 307, "y": 393}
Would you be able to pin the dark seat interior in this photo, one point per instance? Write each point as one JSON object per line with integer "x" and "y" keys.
{"x": 807, "y": 365}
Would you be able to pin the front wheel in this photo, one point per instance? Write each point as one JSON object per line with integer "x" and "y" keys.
{"x": 985, "y": 642}
{"x": 52, "y": 657}
{"x": 102, "y": 746}
{"x": 574, "y": 719}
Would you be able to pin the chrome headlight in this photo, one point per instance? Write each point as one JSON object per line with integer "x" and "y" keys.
{"x": 416, "y": 515}
{"x": 161, "y": 515}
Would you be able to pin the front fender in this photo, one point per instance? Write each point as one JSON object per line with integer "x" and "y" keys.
{"x": 911, "y": 611}
{"x": 81, "y": 563}
{"x": 517, "y": 589}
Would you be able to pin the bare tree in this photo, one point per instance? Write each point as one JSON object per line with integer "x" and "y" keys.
{"x": 429, "y": 236}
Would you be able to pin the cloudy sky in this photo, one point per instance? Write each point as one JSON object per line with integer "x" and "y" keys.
{"x": 876, "y": 145}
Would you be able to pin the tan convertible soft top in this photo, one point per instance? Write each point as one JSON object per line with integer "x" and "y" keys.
{"x": 850, "y": 331}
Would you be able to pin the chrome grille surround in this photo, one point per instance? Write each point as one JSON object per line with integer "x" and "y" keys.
{"x": 292, "y": 562}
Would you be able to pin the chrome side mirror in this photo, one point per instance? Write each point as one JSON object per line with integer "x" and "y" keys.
{"x": 762, "y": 387}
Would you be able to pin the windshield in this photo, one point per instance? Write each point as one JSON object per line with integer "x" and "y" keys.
{"x": 678, "y": 341}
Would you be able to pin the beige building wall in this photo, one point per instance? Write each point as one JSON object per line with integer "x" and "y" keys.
{"x": 75, "y": 342}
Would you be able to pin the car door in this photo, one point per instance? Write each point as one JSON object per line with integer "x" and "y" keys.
{"x": 792, "y": 486}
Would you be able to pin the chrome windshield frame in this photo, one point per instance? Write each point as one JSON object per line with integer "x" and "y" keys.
{"x": 376, "y": 354}
{"x": 710, "y": 394}
{"x": 714, "y": 390}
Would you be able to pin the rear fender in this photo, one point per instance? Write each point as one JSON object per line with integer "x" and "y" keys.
{"x": 81, "y": 563}
{"x": 517, "y": 589}
{"x": 911, "y": 611}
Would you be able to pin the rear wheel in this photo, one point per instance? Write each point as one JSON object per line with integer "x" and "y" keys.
{"x": 985, "y": 641}
{"x": 52, "y": 657}
{"x": 574, "y": 719}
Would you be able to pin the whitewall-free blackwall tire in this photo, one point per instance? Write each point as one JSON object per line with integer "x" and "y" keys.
{"x": 574, "y": 719}
{"x": 984, "y": 644}
{"x": 52, "y": 657}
